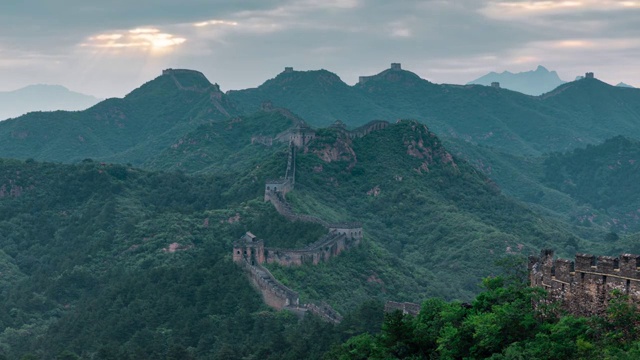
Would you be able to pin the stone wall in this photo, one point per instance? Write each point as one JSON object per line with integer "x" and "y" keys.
{"x": 405, "y": 307}
{"x": 275, "y": 294}
{"x": 360, "y": 131}
{"x": 584, "y": 286}
{"x": 328, "y": 246}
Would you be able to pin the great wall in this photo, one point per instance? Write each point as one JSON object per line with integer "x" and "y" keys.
{"x": 250, "y": 252}
{"x": 585, "y": 286}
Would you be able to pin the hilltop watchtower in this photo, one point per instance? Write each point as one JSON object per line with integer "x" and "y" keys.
{"x": 589, "y": 75}
{"x": 495, "y": 84}
{"x": 396, "y": 66}
{"x": 301, "y": 135}
{"x": 288, "y": 69}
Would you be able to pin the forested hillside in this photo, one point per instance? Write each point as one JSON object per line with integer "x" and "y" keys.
{"x": 429, "y": 209}
{"x": 106, "y": 261}
{"x": 128, "y": 130}
{"x": 501, "y": 323}
{"x": 575, "y": 114}
{"x": 103, "y": 260}
{"x": 605, "y": 176}
{"x": 239, "y": 143}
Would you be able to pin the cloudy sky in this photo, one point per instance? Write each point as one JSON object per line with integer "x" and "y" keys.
{"x": 108, "y": 48}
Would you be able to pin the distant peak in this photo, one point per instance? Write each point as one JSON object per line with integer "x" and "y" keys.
{"x": 394, "y": 73}
{"x": 192, "y": 80}
{"x": 171, "y": 71}
{"x": 541, "y": 68}
{"x": 621, "y": 84}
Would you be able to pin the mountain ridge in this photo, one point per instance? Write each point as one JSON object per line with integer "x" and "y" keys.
{"x": 533, "y": 82}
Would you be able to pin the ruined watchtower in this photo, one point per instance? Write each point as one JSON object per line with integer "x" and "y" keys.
{"x": 301, "y": 135}
{"x": 277, "y": 188}
{"x": 396, "y": 66}
{"x": 288, "y": 69}
{"x": 588, "y": 75}
{"x": 248, "y": 248}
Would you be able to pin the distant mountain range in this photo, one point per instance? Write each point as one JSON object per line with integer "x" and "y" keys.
{"x": 150, "y": 119}
{"x": 42, "y": 98}
{"x": 534, "y": 82}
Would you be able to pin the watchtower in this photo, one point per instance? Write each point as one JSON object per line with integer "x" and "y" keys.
{"x": 248, "y": 248}
{"x": 495, "y": 84}
{"x": 301, "y": 135}
{"x": 588, "y": 75}
{"x": 288, "y": 69}
{"x": 396, "y": 66}
{"x": 276, "y": 187}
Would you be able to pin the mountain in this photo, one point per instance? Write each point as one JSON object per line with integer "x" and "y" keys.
{"x": 152, "y": 118}
{"x": 604, "y": 176}
{"x": 108, "y": 261}
{"x": 326, "y": 98}
{"x": 534, "y": 82}
{"x": 116, "y": 261}
{"x": 621, "y": 84}
{"x": 411, "y": 193}
{"x": 566, "y": 118}
{"x": 128, "y": 130}
{"x": 42, "y": 98}
{"x": 236, "y": 144}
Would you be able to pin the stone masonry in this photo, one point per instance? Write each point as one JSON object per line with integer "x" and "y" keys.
{"x": 584, "y": 286}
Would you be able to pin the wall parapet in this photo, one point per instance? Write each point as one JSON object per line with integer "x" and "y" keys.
{"x": 405, "y": 307}
{"x": 274, "y": 293}
{"x": 584, "y": 285}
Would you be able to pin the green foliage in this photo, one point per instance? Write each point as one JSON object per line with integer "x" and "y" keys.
{"x": 605, "y": 177}
{"x": 109, "y": 262}
{"x": 233, "y": 145}
{"x": 576, "y": 113}
{"x": 500, "y": 324}
{"x": 128, "y": 130}
{"x": 430, "y": 214}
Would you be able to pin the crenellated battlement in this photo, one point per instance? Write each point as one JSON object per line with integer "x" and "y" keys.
{"x": 584, "y": 285}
